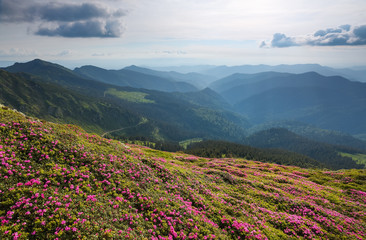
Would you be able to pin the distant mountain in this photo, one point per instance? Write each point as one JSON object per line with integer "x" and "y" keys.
{"x": 284, "y": 139}
{"x": 206, "y": 98}
{"x": 327, "y": 102}
{"x": 168, "y": 115}
{"x": 224, "y": 71}
{"x": 240, "y": 86}
{"x": 185, "y": 68}
{"x": 135, "y": 79}
{"x": 196, "y": 79}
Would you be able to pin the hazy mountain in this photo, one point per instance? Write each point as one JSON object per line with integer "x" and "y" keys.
{"x": 319, "y": 106}
{"x": 135, "y": 79}
{"x": 327, "y": 102}
{"x": 239, "y": 86}
{"x": 224, "y": 71}
{"x": 184, "y": 69}
{"x": 207, "y": 98}
{"x": 196, "y": 79}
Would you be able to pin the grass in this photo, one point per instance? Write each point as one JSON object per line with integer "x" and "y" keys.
{"x": 187, "y": 142}
{"x": 136, "y": 97}
{"x": 359, "y": 158}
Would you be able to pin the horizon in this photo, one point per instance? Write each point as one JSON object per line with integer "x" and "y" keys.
{"x": 115, "y": 33}
{"x": 4, "y": 64}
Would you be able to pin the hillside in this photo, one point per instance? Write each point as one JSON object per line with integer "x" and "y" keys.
{"x": 170, "y": 116}
{"x": 281, "y": 138}
{"x": 135, "y": 79}
{"x": 313, "y": 133}
{"x": 54, "y": 103}
{"x": 196, "y": 79}
{"x": 58, "y": 182}
{"x": 222, "y": 149}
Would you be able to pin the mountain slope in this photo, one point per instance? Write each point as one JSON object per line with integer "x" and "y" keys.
{"x": 53, "y": 103}
{"x": 207, "y": 98}
{"x": 313, "y": 133}
{"x": 135, "y": 79}
{"x": 238, "y": 87}
{"x": 333, "y": 103}
{"x": 284, "y": 139}
{"x": 224, "y": 71}
{"x": 199, "y": 80}
{"x": 322, "y": 107}
{"x": 58, "y": 182}
{"x": 169, "y": 117}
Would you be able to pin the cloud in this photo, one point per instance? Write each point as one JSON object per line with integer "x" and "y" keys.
{"x": 68, "y": 19}
{"x": 344, "y": 35}
{"x": 18, "y": 52}
{"x": 84, "y": 29}
{"x": 71, "y": 12}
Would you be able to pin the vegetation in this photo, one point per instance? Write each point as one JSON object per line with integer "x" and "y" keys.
{"x": 55, "y": 103}
{"x": 137, "y": 97}
{"x": 325, "y": 153}
{"x": 59, "y": 182}
{"x": 221, "y": 149}
{"x": 68, "y": 98}
{"x": 360, "y": 158}
{"x": 313, "y": 133}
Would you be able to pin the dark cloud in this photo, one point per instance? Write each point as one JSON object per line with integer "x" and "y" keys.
{"x": 71, "y": 12}
{"x": 344, "y": 35}
{"x": 15, "y": 11}
{"x": 360, "y": 33}
{"x": 84, "y": 29}
{"x": 68, "y": 20}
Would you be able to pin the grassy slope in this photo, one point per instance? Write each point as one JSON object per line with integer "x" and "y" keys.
{"x": 57, "y": 181}
{"x": 57, "y": 104}
{"x": 357, "y": 157}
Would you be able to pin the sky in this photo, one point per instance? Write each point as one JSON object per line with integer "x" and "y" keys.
{"x": 117, "y": 33}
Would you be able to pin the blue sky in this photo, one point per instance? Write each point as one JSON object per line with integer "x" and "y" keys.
{"x": 117, "y": 33}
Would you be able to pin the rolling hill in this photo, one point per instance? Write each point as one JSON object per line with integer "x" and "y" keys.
{"x": 59, "y": 182}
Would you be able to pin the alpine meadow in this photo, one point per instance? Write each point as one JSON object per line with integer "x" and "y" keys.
{"x": 124, "y": 119}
